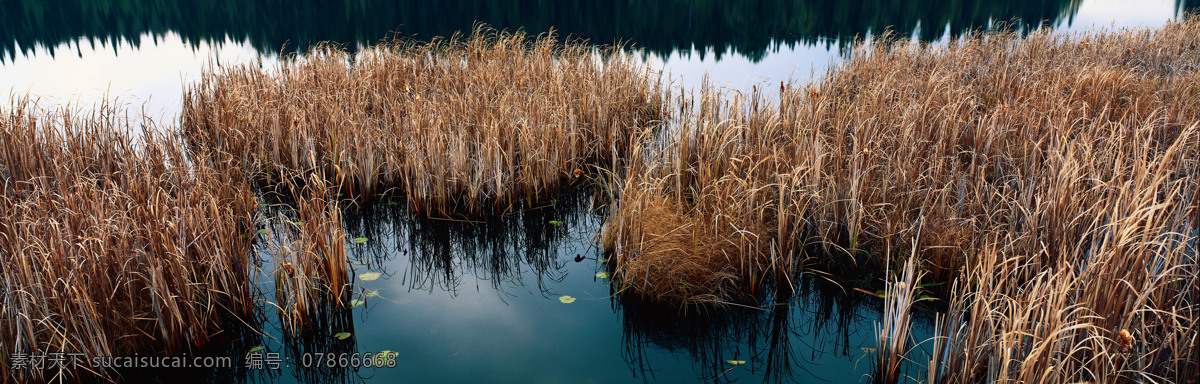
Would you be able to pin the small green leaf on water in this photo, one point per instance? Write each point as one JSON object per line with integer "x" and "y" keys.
{"x": 372, "y": 294}
{"x": 602, "y": 259}
{"x": 255, "y": 349}
{"x": 355, "y": 303}
{"x": 381, "y": 358}
{"x": 360, "y": 240}
{"x": 736, "y": 362}
{"x": 264, "y": 231}
{"x": 567, "y": 299}
{"x": 556, "y": 223}
{"x": 342, "y": 335}
{"x": 602, "y": 275}
{"x": 369, "y": 276}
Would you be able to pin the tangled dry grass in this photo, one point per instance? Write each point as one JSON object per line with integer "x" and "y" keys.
{"x": 1054, "y": 178}
{"x": 110, "y": 245}
{"x": 475, "y": 125}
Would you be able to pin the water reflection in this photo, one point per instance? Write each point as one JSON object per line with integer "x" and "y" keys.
{"x": 820, "y": 333}
{"x": 478, "y": 301}
{"x": 76, "y": 51}
{"x": 450, "y": 254}
{"x": 745, "y": 26}
{"x": 309, "y": 352}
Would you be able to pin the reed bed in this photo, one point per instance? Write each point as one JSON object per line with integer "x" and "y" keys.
{"x": 111, "y": 245}
{"x": 1047, "y": 185}
{"x": 465, "y": 125}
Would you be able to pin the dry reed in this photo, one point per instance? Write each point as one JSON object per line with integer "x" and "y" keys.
{"x": 482, "y": 124}
{"x": 1053, "y": 177}
{"x": 891, "y": 337}
{"x": 312, "y": 268}
{"x": 111, "y": 245}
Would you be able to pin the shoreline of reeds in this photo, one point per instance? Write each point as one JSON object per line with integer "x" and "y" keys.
{"x": 1046, "y": 187}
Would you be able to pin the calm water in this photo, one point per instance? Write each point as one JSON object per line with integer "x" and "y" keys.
{"x": 479, "y": 302}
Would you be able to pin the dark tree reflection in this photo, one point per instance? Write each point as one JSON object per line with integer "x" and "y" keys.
{"x": 750, "y": 28}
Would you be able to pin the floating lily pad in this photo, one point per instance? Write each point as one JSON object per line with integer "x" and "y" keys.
{"x": 264, "y": 231}
{"x": 736, "y": 362}
{"x": 602, "y": 275}
{"x": 567, "y": 299}
{"x": 556, "y": 223}
{"x": 382, "y": 358}
{"x": 369, "y": 276}
{"x": 372, "y": 294}
{"x": 342, "y": 335}
{"x": 360, "y": 240}
{"x": 355, "y": 303}
{"x": 602, "y": 259}
{"x": 255, "y": 349}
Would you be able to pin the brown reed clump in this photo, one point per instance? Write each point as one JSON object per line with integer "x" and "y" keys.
{"x": 1053, "y": 177}
{"x": 473, "y": 125}
{"x": 310, "y": 255}
{"x": 111, "y": 245}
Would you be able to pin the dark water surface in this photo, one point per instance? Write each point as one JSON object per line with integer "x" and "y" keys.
{"x": 480, "y": 302}
{"x": 463, "y": 302}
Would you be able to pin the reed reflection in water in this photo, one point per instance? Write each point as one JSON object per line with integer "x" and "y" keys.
{"x": 460, "y": 300}
{"x": 820, "y": 333}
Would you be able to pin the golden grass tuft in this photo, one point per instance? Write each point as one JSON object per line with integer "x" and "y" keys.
{"x": 1052, "y": 177}
{"x": 111, "y": 245}
{"x": 474, "y": 125}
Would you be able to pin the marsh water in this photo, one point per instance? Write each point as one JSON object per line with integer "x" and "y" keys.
{"x": 462, "y": 301}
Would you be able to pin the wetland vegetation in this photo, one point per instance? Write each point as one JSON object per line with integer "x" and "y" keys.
{"x": 1034, "y": 195}
{"x": 1045, "y": 185}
